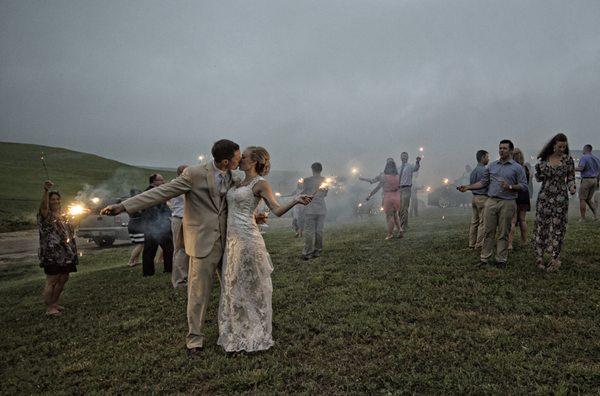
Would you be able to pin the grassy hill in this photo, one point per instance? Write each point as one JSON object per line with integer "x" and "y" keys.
{"x": 368, "y": 317}
{"x": 22, "y": 175}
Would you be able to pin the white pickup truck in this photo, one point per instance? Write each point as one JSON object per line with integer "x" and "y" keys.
{"x": 104, "y": 230}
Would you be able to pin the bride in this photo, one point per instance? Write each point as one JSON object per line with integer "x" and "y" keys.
{"x": 245, "y": 311}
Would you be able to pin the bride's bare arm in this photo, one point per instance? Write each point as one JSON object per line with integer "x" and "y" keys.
{"x": 263, "y": 189}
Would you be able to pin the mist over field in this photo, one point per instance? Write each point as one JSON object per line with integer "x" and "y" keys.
{"x": 347, "y": 83}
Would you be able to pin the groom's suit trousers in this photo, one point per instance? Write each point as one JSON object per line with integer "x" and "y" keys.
{"x": 201, "y": 277}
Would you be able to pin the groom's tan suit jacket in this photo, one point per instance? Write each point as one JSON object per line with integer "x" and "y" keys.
{"x": 205, "y": 210}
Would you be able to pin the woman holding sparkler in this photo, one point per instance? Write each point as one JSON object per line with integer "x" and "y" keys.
{"x": 58, "y": 250}
{"x": 391, "y": 197}
{"x": 245, "y": 310}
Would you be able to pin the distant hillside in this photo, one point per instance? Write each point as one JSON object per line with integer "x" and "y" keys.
{"x": 75, "y": 174}
{"x": 22, "y": 175}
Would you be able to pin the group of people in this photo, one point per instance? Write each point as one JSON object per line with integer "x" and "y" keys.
{"x": 501, "y": 199}
{"x": 215, "y": 229}
{"x": 396, "y": 183}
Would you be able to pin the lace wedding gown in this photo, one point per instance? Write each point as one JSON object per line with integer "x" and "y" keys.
{"x": 245, "y": 311}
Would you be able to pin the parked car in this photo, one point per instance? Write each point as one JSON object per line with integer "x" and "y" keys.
{"x": 104, "y": 230}
{"x": 448, "y": 196}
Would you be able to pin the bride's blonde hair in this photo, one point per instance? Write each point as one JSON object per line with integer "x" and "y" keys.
{"x": 262, "y": 158}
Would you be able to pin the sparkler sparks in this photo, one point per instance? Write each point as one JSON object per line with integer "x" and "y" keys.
{"x": 201, "y": 157}
{"x": 360, "y": 204}
{"x": 354, "y": 171}
{"x": 428, "y": 189}
{"x": 301, "y": 180}
{"x": 445, "y": 180}
{"x": 278, "y": 194}
{"x": 76, "y": 210}
{"x": 421, "y": 149}
{"x": 96, "y": 200}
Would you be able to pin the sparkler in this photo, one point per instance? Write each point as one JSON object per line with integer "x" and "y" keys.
{"x": 445, "y": 180}
{"x": 45, "y": 167}
{"x": 278, "y": 194}
{"x": 381, "y": 209}
{"x": 301, "y": 180}
{"x": 76, "y": 210}
{"x": 428, "y": 189}
{"x": 201, "y": 157}
{"x": 354, "y": 171}
{"x": 360, "y": 204}
{"x": 96, "y": 200}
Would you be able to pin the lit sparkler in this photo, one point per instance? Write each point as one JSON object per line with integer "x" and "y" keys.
{"x": 445, "y": 180}
{"x": 421, "y": 149}
{"x": 201, "y": 157}
{"x": 278, "y": 194}
{"x": 360, "y": 204}
{"x": 45, "y": 167}
{"x": 96, "y": 200}
{"x": 301, "y": 180}
{"x": 381, "y": 209}
{"x": 354, "y": 171}
{"x": 428, "y": 189}
{"x": 76, "y": 210}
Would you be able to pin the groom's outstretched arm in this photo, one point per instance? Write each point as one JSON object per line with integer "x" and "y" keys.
{"x": 156, "y": 195}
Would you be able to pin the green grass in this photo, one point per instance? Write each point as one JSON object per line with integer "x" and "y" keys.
{"x": 22, "y": 175}
{"x": 370, "y": 316}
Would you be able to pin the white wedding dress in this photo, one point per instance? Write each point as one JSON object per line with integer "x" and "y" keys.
{"x": 245, "y": 311}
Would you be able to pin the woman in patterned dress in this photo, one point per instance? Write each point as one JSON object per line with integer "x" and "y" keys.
{"x": 58, "y": 251}
{"x": 556, "y": 171}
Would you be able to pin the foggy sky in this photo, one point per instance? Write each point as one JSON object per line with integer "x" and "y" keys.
{"x": 344, "y": 82}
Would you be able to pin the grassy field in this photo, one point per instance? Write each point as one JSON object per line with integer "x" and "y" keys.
{"x": 22, "y": 175}
{"x": 370, "y": 316}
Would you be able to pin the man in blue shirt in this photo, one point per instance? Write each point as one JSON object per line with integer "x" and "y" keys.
{"x": 476, "y": 230}
{"x": 503, "y": 178}
{"x": 589, "y": 166}
{"x": 405, "y": 173}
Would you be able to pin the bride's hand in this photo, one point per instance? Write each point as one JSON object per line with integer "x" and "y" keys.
{"x": 304, "y": 199}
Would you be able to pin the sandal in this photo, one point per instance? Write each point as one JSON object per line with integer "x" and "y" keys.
{"x": 554, "y": 265}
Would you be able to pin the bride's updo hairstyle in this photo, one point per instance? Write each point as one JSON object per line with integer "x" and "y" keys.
{"x": 262, "y": 158}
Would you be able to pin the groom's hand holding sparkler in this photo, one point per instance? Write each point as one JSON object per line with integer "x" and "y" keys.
{"x": 113, "y": 210}
{"x": 48, "y": 185}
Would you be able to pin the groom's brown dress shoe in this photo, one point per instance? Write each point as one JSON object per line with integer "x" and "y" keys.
{"x": 194, "y": 352}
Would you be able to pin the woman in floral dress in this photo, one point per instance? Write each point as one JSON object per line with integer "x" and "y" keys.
{"x": 58, "y": 251}
{"x": 556, "y": 171}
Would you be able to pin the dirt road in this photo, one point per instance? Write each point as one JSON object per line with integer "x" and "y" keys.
{"x": 21, "y": 244}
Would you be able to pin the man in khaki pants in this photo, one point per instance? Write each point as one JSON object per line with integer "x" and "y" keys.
{"x": 476, "y": 230}
{"x": 504, "y": 178}
{"x": 204, "y": 226}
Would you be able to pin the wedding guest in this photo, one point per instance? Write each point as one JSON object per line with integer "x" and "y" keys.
{"x": 504, "y": 178}
{"x": 405, "y": 173}
{"x": 589, "y": 166}
{"x": 180, "y": 259}
{"x": 523, "y": 204}
{"x": 157, "y": 232}
{"x": 314, "y": 214}
{"x": 390, "y": 183}
{"x": 476, "y": 229}
{"x": 136, "y": 233}
{"x": 58, "y": 250}
{"x": 556, "y": 171}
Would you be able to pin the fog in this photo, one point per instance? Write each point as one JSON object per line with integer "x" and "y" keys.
{"x": 348, "y": 83}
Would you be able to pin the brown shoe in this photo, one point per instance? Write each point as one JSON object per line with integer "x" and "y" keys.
{"x": 195, "y": 352}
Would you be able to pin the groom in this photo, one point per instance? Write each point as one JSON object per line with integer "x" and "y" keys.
{"x": 204, "y": 226}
